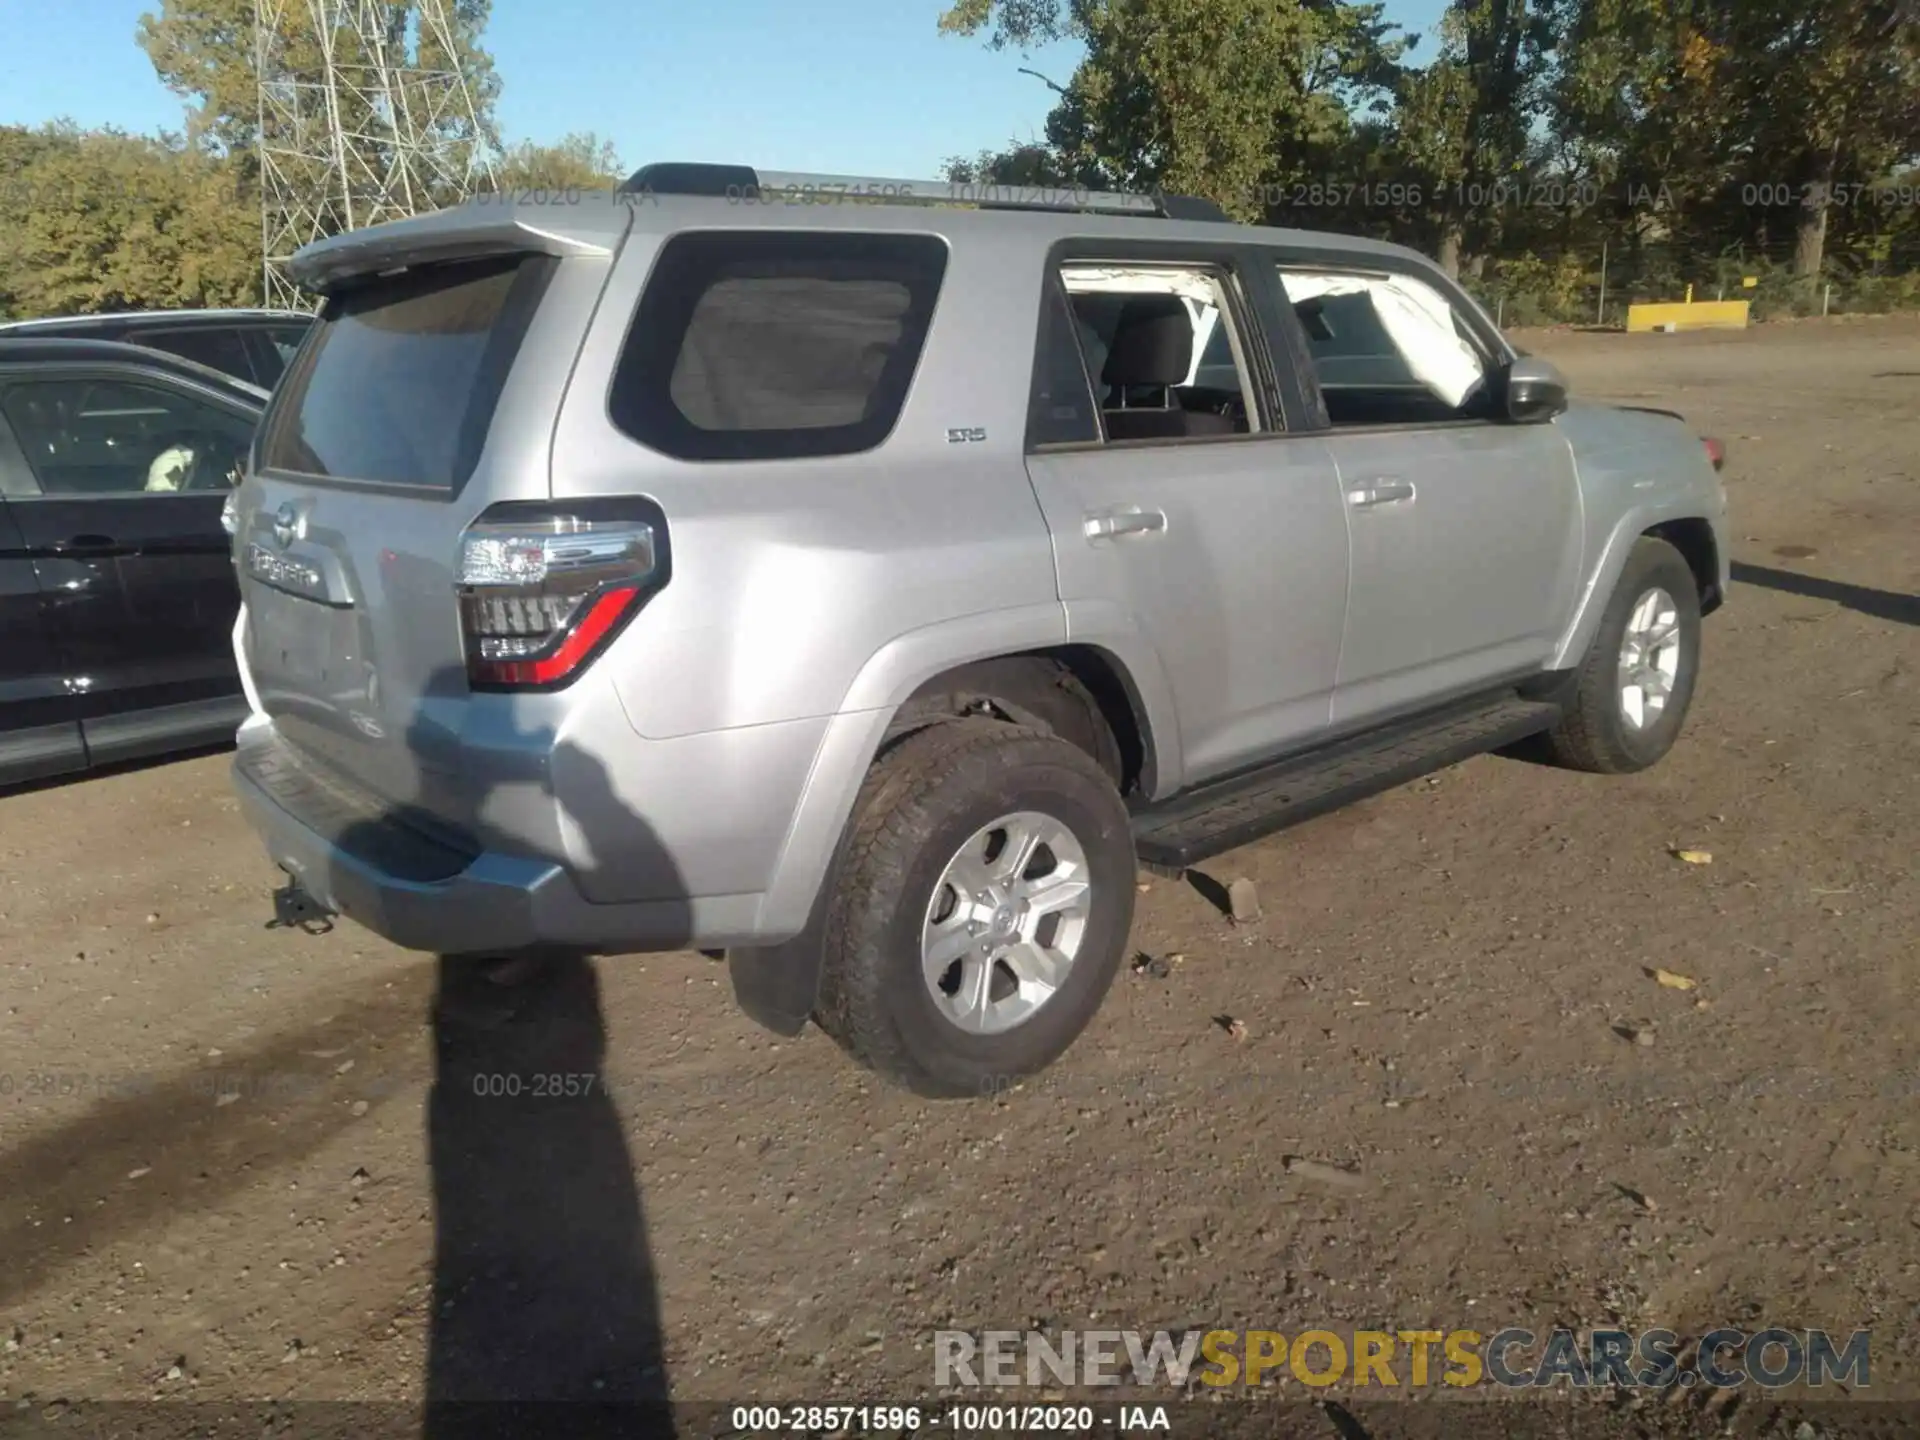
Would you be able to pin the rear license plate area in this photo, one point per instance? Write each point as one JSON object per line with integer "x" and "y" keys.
{"x": 298, "y": 640}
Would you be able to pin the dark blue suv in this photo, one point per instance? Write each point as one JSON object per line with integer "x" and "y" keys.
{"x": 251, "y": 345}
{"x": 117, "y": 591}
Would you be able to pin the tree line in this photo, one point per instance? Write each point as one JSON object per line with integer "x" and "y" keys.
{"x": 1525, "y": 145}
{"x": 98, "y": 219}
{"x": 1544, "y": 150}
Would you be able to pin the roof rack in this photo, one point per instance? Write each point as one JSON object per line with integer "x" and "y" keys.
{"x": 743, "y": 182}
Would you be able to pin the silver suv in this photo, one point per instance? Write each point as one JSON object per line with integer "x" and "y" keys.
{"x": 867, "y": 588}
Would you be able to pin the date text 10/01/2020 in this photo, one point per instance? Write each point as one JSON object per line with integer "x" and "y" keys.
{"x": 895, "y": 1420}
{"x": 1273, "y": 197}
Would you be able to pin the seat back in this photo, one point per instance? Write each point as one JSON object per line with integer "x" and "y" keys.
{"x": 1153, "y": 348}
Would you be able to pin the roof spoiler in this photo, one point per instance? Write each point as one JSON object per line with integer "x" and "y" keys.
{"x": 743, "y": 182}
{"x": 487, "y": 224}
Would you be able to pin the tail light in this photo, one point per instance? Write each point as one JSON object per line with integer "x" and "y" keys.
{"x": 1716, "y": 451}
{"x": 542, "y": 594}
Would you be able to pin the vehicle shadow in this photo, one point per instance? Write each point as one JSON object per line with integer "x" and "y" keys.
{"x": 546, "y": 1307}
{"x": 1880, "y": 604}
{"x": 543, "y": 1278}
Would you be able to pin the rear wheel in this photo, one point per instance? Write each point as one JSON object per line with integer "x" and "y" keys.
{"x": 1636, "y": 684}
{"x": 982, "y": 910}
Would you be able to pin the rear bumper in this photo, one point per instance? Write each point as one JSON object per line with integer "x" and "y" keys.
{"x": 425, "y": 892}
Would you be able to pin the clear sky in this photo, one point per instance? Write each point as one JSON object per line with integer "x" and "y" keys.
{"x": 857, "y": 87}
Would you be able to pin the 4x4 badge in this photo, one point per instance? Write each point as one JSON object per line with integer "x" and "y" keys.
{"x": 286, "y": 525}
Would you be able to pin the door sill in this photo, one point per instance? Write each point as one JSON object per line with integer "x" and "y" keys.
{"x": 164, "y": 728}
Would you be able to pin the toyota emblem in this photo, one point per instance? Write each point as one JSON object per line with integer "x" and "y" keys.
{"x": 286, "y": 525}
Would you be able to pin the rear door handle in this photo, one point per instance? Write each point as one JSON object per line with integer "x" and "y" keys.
{"x": 1127, "y": 520}
{"x": 85, "y": 545}
{"x": 1384, "y": 491}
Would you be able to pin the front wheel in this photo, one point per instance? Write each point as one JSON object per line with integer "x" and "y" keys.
{"x": 1632, "y": 692}
{"x": 982, "y": 910}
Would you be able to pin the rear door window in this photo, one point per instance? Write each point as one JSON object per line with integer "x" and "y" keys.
{"x": 94, "y": 435}
{"x": 400, "y": 384}
{"x": 221, "y": 350}
{"x": 1162, "y": 349}
{"x": 776, "y": 345}
{"x": 273, "y": 351}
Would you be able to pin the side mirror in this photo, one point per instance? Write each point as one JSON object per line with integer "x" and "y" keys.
{"x": 1535, "y": 391}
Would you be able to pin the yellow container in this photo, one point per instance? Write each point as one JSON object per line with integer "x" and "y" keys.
{"x": 1706, "y": 315}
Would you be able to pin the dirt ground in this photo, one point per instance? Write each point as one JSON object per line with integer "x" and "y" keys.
{"x": 225, "y": 1173}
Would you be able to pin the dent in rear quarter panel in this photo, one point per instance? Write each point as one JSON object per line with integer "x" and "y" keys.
{"x": 793, "y": 580}
{"x": 1637, "y": 470}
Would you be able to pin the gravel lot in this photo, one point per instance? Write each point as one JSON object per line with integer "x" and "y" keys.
{"x": 228, "y": 1173}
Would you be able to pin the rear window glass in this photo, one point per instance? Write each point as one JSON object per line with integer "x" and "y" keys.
{"x": 400, "y": 383}
{"x": 775, "y": 345}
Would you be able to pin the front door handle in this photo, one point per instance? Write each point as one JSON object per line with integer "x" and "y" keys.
{"x": 1129, "y": 520}
{"x": 1384, "y": 491}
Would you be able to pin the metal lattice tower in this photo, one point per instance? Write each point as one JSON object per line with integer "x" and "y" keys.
{"x": 364, "y": 116}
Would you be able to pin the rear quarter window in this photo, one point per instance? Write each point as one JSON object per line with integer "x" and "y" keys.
{"x": 764, "y": 345}
{"x": 400, "y": 383}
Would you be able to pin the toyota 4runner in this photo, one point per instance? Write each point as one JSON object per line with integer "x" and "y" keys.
{"x": 869, "y": 587}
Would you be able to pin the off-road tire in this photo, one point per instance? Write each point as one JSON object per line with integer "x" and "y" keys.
{"x": 921, "y": 802}
{"x": 1594, "y": 735}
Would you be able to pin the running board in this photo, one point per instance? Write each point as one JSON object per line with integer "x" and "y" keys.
{"x": 1227, "y": 814}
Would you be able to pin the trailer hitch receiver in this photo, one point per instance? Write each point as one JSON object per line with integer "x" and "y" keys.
{"x": 295, "y": 909}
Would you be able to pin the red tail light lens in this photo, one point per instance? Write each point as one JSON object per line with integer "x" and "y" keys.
{"x": 542, "y": 595}
{"x": 1716, "y": 451}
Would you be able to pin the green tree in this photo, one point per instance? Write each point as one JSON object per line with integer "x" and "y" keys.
{"x": 1234, "y": 100}
{"x": 1704, "y": 103}
{"x": 1021, "y": 23}
{"x": 104, "y": 220}
{"x": 1649, "y": 106}
{"x": 208, "y": 52}
{"x": 1464, "y": 123}
{"x": 1833, "y": 92}
{"x": 1027, "y": 163}
{"x": 579, "y": 161}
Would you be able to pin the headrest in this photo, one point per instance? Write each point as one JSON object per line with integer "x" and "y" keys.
{"x": 1152, "y": 343}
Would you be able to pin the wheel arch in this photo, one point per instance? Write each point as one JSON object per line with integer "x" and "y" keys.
{"x": 778, "y": 984}
{"x": 1005, "y": 686}
{"x": 1693, "y": 537}
{"x": 1683, "y": 527}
